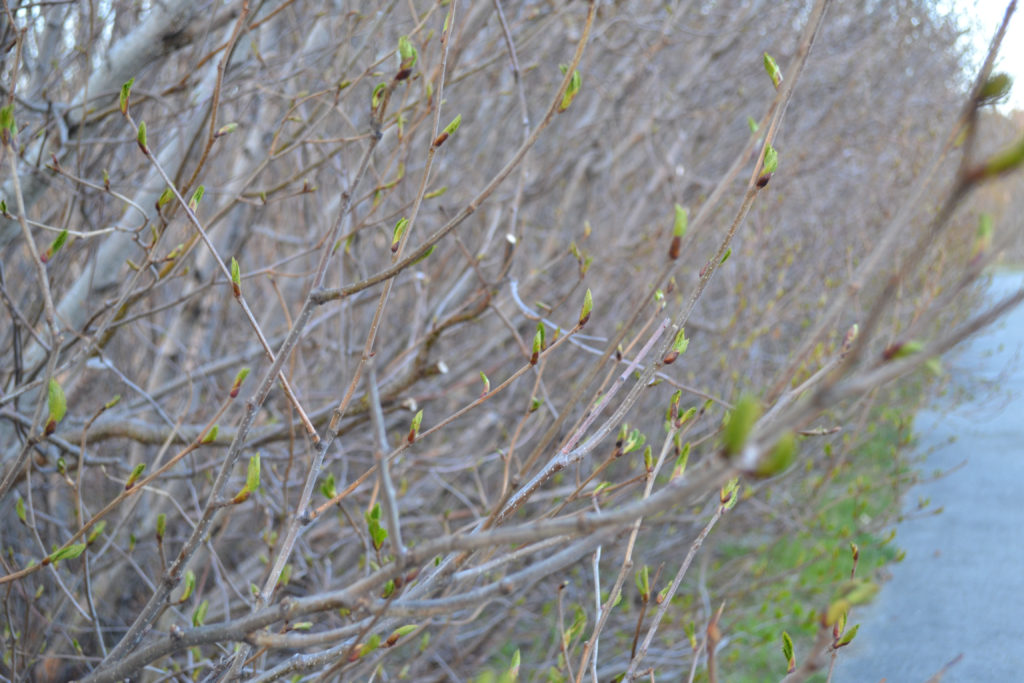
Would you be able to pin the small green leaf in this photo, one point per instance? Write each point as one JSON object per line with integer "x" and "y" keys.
{"x": 327, "y": 487}
{"x": 427, "y": 253}
{"x": 643, "y": 582}
{"x": 436, "y": 193}
{"x": 199, "y": 615}
{"x": 95, "y": 532}
{"x": 165, "y": 197}
{"x": 378, "y": 94}
{"x": 68, "y": 553}
{"x": 134, "y": 476}
{"x": 226, "y": 129}
{"x": 573, "y": 89}
{"x": 995, "y": 89}
{"x": 752, "y": 125}
{"x": 679, "y": 346}
{"x": 680, "y": 467}
{"x": 396, "y": 236}
{"x": 1005, "y": 161}
{"x": 236, "y": 274}
{"x": 56, "y": 401}
{"x": 244, "y": 372}
{"x": 848, "y": 636}
{"x": 679, "y": 227}
{"x": 513, "y": 670}
{"x": 771, "y": 160}
{"x": 161, "y": 525}
{"x": 486, "y": 381}
{"x": 141, "y": 137}
{"x": 252, "y": 474}
{"x": 772, "y": 68}
{"x": 414, "y": 428}
{"x": 19, "y": 507}
{"x": 730, "y": 494}
{"x": 211, "y": 435}
{"x": 126, "y": 91}
{"x": 787, "y": 652}
{"x": 197, "y": 197}
{"x": 454, "y": 125}
{"x": 588, "y": 306}
{"x": 538, "y": 344}
{"x": 741, "y": 421}
{"x": 190, "y": 585}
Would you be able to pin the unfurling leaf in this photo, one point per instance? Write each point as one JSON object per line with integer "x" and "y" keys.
{"x": 56, "y": 402}
{"x": 588, "y": 306}
{"x": 199, "y": 615}
{"x": 141, "y": 137}
{"x": 252, "y": 473}
{"x": 414, "y": 428}
{"x": 679, "y": 345}
{"x": 197, "y": 197}
{"x": 236, "y": 277}
{"x": 239, "y": 379}
{"x": 190, "y": 585}
{"x": 126, "y": 91}
{"x": 448, "y": 131}
{"x": 327, "y": 488}
{"x": 538, "y": 344}
{"x": 573, "y": 89}
{"x": 787, "y": 652}
{"x": 134, "y": 476}
{"x": 396, "y": 236}
{"x": 996, "y": 89}
{"x": 780, "y": 457}
{"x": 773, "y": 70}
{"x": 226, "y": 129}
{"x": 68, "y": 553}
{"x": 211, "y": 435}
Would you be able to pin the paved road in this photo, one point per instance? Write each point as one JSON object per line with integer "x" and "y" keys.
{"x": 960, "y": 589}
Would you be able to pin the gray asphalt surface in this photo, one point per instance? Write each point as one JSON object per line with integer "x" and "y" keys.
{"x": 960, "y": 590}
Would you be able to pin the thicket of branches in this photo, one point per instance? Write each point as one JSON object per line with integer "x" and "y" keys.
{"x": 433, "y": 340}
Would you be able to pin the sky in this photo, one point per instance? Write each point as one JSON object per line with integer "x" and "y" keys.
{"x": 986, "y": 16}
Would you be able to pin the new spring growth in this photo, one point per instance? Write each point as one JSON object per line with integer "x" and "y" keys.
{"x": 643, "y": 582}
{"x": 252, "y": 480}
{"x": 236, "y": 278}
{"x": 98, "y": 529}
{"x": 678, "y": 232}
{"x": 328, "y": 488}
{"x": 448, "y": 131}
{"x": 771, "y": 162}
{"x": 197, "y": 197}
{"x": 407, "y": 57}
{"x": 588, "y": 306}
{"x": 226, "y": 129}
{"x": 571, "y": 90}
{"x": 161, "y": 526}
{"x": 189, "y": 585}
{"x": 538, "y": 344}
{"x": 740, "y": 422}
{"x": 850, "y": 594}
{"x": 58, "y": 405}
{"x": 398, "y": 633}
{"x": 787, "y": 652}
{"x": 679, "y": 345}
{"x": 134, "y": 476}
{"x": 730, "y": 494}
{"x": 487, "y": 384}
{"x": 8, "y": 129}
{"x": 772, "y": 67}
{"x": 513, "y": 669}
{"x": 239, "y": 378}
{"x": 1002, "y": 162}
{"x": 126, "y": 91}
{"x": 165, "y": 198}
{"x": 679, "y": 469}
{"x": 414, "y": 428}
{"x": 996, "y": 89}
{"x": 377, "y": 532}
{"x": 69, "y": 553}
{"x": 396, "y": 235}
{"x": 199, "y": 615}
{"x": 141, "y": 138}
{"x": 54, "y": 247}
{"x": 211, "y": 435}
{"x": 902, "y": 349}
